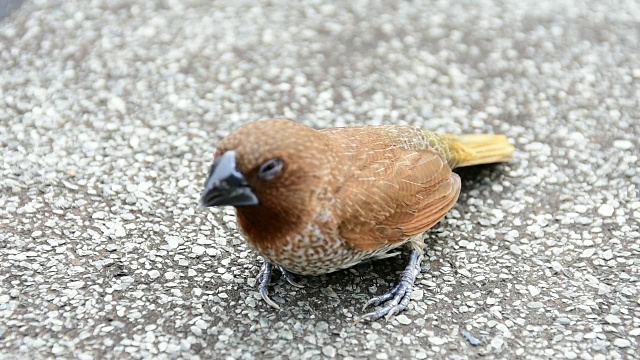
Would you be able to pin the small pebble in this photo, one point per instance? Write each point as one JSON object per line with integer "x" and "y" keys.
{"x": 198, "y": 250}
{"x": 497, "y": 342}
{"x": 622, "y": 343}
{"x": 99, "y": 215}
{"x": 534, "y": 291}
{"x": 471, "y": 339}
{"x": 535, "y": 305}
{"x": 607, "y": 255}
{"x": 612, "y": 319}
{"x": 329, "y": 351}
{"x": 606, "y": 210}
{"x": 623, "y": 144}
{"x": 403, "y": 319}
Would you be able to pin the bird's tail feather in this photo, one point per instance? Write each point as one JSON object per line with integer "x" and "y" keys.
{"x": 476, "y": 149}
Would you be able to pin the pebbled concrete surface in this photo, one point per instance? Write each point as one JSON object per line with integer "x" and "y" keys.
{"x": 109, "y": 115}
{"x": 9, "y": 6}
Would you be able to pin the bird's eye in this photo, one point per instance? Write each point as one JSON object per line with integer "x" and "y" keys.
{"x": 270, "y": 168}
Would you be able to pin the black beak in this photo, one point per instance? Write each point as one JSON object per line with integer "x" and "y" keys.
{"x": 226, "y": 185}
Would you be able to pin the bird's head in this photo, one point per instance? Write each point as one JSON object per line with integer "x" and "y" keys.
{"x": 274, "y": 165}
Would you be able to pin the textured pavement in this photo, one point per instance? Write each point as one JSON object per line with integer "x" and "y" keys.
{"x": 109, "y": 116}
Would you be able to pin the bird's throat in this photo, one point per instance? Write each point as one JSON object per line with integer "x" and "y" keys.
{"x": 265, "y": 227}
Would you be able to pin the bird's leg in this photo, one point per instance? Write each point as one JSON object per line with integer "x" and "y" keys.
{"x": 398, "y": 298}
{"x": 263, "y": 281}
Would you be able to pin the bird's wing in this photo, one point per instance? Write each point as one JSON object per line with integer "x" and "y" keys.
{"x": 393, "y": 195}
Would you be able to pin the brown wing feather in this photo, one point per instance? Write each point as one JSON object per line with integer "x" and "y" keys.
{"x": 395, "y": 194}
{"x": 431, "y": 211}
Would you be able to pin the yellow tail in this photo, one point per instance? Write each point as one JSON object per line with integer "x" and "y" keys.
{"x": 476, "y": 149}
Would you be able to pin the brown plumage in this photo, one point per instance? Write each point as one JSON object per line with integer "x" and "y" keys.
{"x": 316, "y": 201}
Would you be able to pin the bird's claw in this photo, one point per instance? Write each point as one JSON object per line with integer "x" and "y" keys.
{"x": 398, "y": 298}
{"x": 263, "y": 282}
{"x": 289, "y": 277}
{"x": 382, "y": 298}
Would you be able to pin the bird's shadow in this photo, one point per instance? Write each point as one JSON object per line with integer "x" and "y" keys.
{"x": 479, "y": 176}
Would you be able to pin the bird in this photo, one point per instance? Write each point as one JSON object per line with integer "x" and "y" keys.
{"x": 315, "y": 201}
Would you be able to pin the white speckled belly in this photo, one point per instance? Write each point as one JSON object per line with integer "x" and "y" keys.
{"x": 313, "y": 253}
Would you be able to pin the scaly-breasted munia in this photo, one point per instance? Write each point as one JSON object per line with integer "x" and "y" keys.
{"x": 316, "y": 201}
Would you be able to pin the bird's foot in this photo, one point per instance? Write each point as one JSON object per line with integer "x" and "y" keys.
{"x": 398, "y": 298}
{"x": 263, "y": 281}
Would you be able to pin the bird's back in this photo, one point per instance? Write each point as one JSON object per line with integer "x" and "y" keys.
{"x": 371, "y": 143}
{"x": 456, "y": 150}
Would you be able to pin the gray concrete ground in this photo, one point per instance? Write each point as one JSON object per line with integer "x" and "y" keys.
{"x": 110, "y": 112}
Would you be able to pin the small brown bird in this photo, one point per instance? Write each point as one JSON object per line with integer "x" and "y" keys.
{"x": 316, "y": 201}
